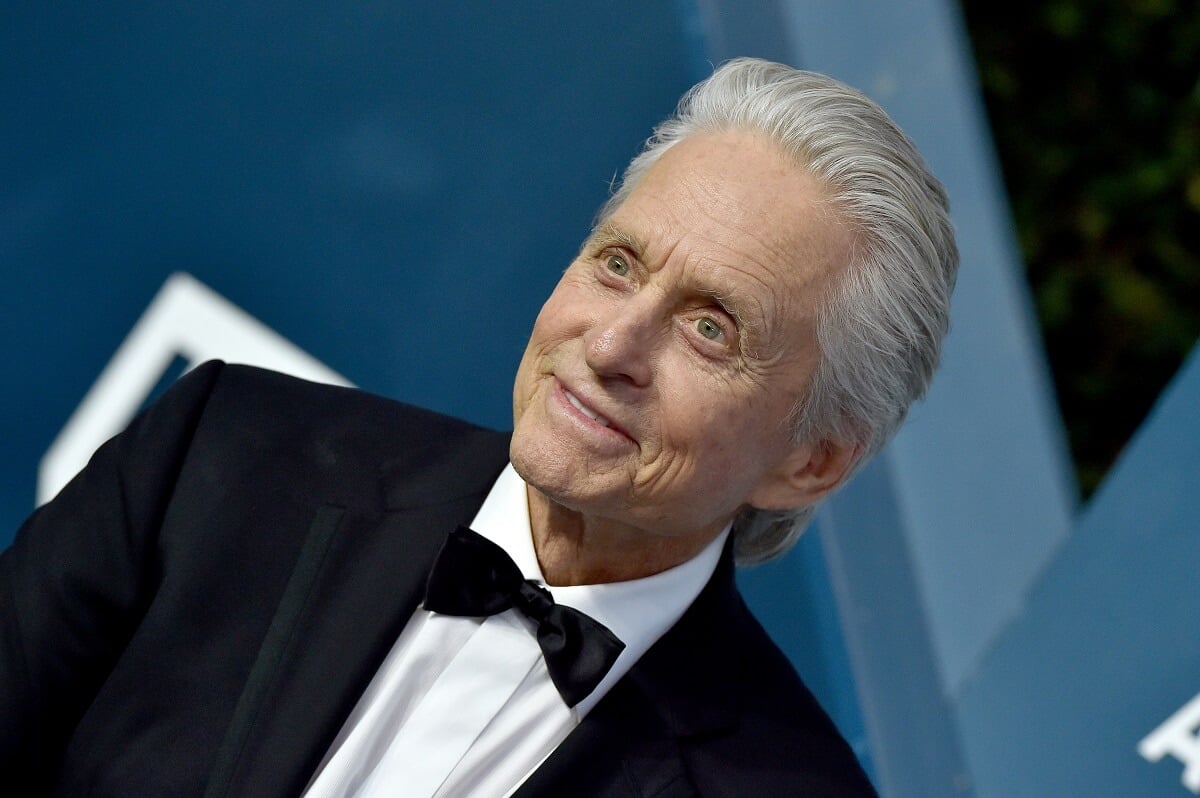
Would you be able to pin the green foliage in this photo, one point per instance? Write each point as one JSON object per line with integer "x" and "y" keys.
{"x": 1095, "y": 107}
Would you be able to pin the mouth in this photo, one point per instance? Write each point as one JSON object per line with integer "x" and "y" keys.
{"x": 588, "y": 415}
{"x": 587, "y": 411}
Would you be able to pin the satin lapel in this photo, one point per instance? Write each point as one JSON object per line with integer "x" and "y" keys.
{"x": 632, "y": 743}
{"x": 620, "y": 750}
{"x": 357, "y": 581}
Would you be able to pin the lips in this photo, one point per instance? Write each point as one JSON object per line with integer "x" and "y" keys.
{"x": 587, "y": 411}
{"x": 582, "y": 407}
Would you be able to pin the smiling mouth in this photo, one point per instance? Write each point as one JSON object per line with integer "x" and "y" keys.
{"x": 594, "y": 416}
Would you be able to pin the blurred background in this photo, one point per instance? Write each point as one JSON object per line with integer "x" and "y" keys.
{"x": 1095, "y": 110}
{"x": 383, "y": 193}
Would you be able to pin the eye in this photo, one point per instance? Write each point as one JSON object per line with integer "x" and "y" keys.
{"x": 617, "y": 265}
{"x": 709, "y": 328}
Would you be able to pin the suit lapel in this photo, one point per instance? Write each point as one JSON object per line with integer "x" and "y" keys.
{"x": 621, "y": 749}
{"x": 353, "y": 589}
{"x": 632, "y": 743}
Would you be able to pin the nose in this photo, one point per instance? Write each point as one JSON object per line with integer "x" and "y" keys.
{"x": 621, "y": 345}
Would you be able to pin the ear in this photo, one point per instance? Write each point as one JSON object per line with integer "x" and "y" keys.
{"x": 808, "y": 473}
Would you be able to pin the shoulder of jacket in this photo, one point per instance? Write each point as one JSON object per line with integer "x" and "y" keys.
{"x": 258, "y": 391}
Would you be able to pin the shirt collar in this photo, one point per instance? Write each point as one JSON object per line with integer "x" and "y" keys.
{"x": 638, "y": 611}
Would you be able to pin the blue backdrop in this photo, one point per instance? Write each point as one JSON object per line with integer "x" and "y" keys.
{"x": 384, "y": 194}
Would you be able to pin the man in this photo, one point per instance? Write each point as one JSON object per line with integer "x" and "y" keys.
{"x": 259, "y": 587}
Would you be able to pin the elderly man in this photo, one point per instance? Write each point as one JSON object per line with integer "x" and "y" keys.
{"x": 263, "y": 586}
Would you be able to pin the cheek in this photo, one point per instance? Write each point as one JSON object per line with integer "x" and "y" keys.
{"x": 555, "y": 322}
{"x": 693, "y": 398}
{"x": 712, "y": 420}
{"x": 700, "y": 419}
{"x": 550, "y": 329}
{"x": 524, "y": 380}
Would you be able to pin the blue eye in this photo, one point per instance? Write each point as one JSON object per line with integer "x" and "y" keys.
{"x": 617, "y": 265}
{"x": 708, "y": 328}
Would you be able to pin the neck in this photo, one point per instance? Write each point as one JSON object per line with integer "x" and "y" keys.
{"x": 576, "y": 549}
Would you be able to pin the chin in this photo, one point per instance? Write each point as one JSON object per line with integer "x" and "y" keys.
{"x": 538, "y": 465}
{"x": 558, "y": 477}
{"x": 541, "y": 467}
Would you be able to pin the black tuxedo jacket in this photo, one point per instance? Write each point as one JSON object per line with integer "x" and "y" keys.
{"x": 198, "y": 612}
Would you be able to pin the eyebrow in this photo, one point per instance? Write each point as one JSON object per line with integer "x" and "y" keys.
{"x": 730, "y": 305}
{"x": 607, "y": 234}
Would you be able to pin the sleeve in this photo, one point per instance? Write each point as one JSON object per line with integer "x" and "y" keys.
{"x": 79, "y": 575}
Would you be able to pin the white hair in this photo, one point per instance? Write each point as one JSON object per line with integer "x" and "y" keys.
{"x": 880, "y": 332}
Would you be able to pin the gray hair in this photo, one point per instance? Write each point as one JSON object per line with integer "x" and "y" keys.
{"x": 881, "y": 330}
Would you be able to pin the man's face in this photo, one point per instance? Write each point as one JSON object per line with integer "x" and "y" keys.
{"x": 658, "y": 382}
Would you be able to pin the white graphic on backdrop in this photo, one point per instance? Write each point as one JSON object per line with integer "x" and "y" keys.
{"x": 1179, "y": 736}
{"x": 186, "y": 319}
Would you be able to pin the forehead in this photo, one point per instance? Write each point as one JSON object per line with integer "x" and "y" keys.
{"x": 733, "y": 206}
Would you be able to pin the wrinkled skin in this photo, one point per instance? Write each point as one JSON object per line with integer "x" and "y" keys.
{"x": 653, "y": 398}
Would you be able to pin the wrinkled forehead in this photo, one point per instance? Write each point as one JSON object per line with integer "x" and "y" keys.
{"x": 733, "y": 217}
{"x": 738, "y": 193}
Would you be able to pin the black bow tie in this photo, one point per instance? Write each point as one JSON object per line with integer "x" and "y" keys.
{"x": 474, "y": 577}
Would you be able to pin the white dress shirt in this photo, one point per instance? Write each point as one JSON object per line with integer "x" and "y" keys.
{"x": 465, "y": 706}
